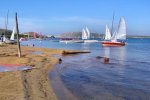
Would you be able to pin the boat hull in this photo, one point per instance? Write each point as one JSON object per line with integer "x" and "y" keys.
{"x": 90, "y": 41}
{"x": 72, "y": 41}
{"x": 10, "y": 41}
{"x": 109, "y": 43}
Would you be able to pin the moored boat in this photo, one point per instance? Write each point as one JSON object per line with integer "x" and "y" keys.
{"x": 70, "y": 40}
{"x": 119, "y": 37}
{"x": 23, "y": 39}
{"x": 86, "y": 36}
{"x": 90, "y": 41}
{"x": 110, "y": 43}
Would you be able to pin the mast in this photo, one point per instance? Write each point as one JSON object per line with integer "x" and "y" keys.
{"x": 6, "y": 23}
{"x": 112, "y": 26}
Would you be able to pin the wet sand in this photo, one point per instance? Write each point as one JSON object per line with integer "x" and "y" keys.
{"x": 28, "y": 84}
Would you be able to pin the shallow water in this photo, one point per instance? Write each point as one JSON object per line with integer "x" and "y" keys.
{"x": 14, "y": 68}
{"x": 92, "y": 79}
{"x": 83, "y": 77}
{"x": 37, "y": 52}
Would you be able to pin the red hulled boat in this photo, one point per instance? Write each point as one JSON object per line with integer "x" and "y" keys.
{"x": 118, "y": 38}
{"x": 110, "y": 43}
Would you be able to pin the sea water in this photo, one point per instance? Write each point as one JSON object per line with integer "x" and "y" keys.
{"x": 84, "y": 77}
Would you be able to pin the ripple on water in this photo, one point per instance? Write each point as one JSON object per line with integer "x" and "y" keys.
{"x": 91, "y": 79}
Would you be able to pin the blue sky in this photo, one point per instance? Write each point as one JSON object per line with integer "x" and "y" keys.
{"x": 58, "y": 16}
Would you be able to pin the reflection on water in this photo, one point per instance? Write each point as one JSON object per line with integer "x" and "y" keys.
{"x": 86, "y": 46}
{"x": 107, "y": 52}
{"x": 117, "y": 53}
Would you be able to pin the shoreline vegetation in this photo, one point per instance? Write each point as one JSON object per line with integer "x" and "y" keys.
{"x": 138, "y": 36}
{"x": 32, "y": 84}
{"x": 64, "y": 35}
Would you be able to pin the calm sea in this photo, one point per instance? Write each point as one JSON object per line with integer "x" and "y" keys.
{"x": 83, "y": 77}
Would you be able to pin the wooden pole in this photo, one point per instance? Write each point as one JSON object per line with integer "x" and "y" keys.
{"x": 19, "y": 48}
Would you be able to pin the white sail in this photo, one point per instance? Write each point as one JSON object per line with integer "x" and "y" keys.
{"x": 121, "y": 33}
{"x": 113, "y": 38}
{"x": 84, "y": 35}
{"x": 107, "y": 34}
{"x": 4, "y": 38}
{"x": 87, "y": 33}
{"x": 13, "y": 34}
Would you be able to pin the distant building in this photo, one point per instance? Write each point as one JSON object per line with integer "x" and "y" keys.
{"x": 32, "y": 34}
{"x": 79, "y": 35}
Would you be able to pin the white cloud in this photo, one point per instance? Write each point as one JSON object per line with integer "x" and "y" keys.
{"x": 25, "y": 24}
{"x": 80, "y": 20}
{"x": 55, "y": 24}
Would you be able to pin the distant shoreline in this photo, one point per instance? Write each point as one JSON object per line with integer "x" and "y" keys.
{"x": 138, "y": 36}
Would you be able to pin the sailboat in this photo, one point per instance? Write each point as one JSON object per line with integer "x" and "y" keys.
{"x": 88, "y": 33}
{"x": 119, "y": 37}
{"x": 13, "y": 34}
{"x": 12, "y": 37}
{"x": 86, "y": 36}
{"x": 40, "y": 36}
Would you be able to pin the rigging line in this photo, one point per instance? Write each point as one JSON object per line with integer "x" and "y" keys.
{"x": 6, "y": 22}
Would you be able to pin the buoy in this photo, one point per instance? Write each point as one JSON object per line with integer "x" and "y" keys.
{"x": 60, "y": 60}
{"x": 106, "y": 60}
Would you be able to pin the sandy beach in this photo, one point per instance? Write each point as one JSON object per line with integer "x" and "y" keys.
{"x": 28, "y": 84}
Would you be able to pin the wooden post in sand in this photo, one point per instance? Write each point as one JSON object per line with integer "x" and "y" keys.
{"x": 19, "y": 49}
